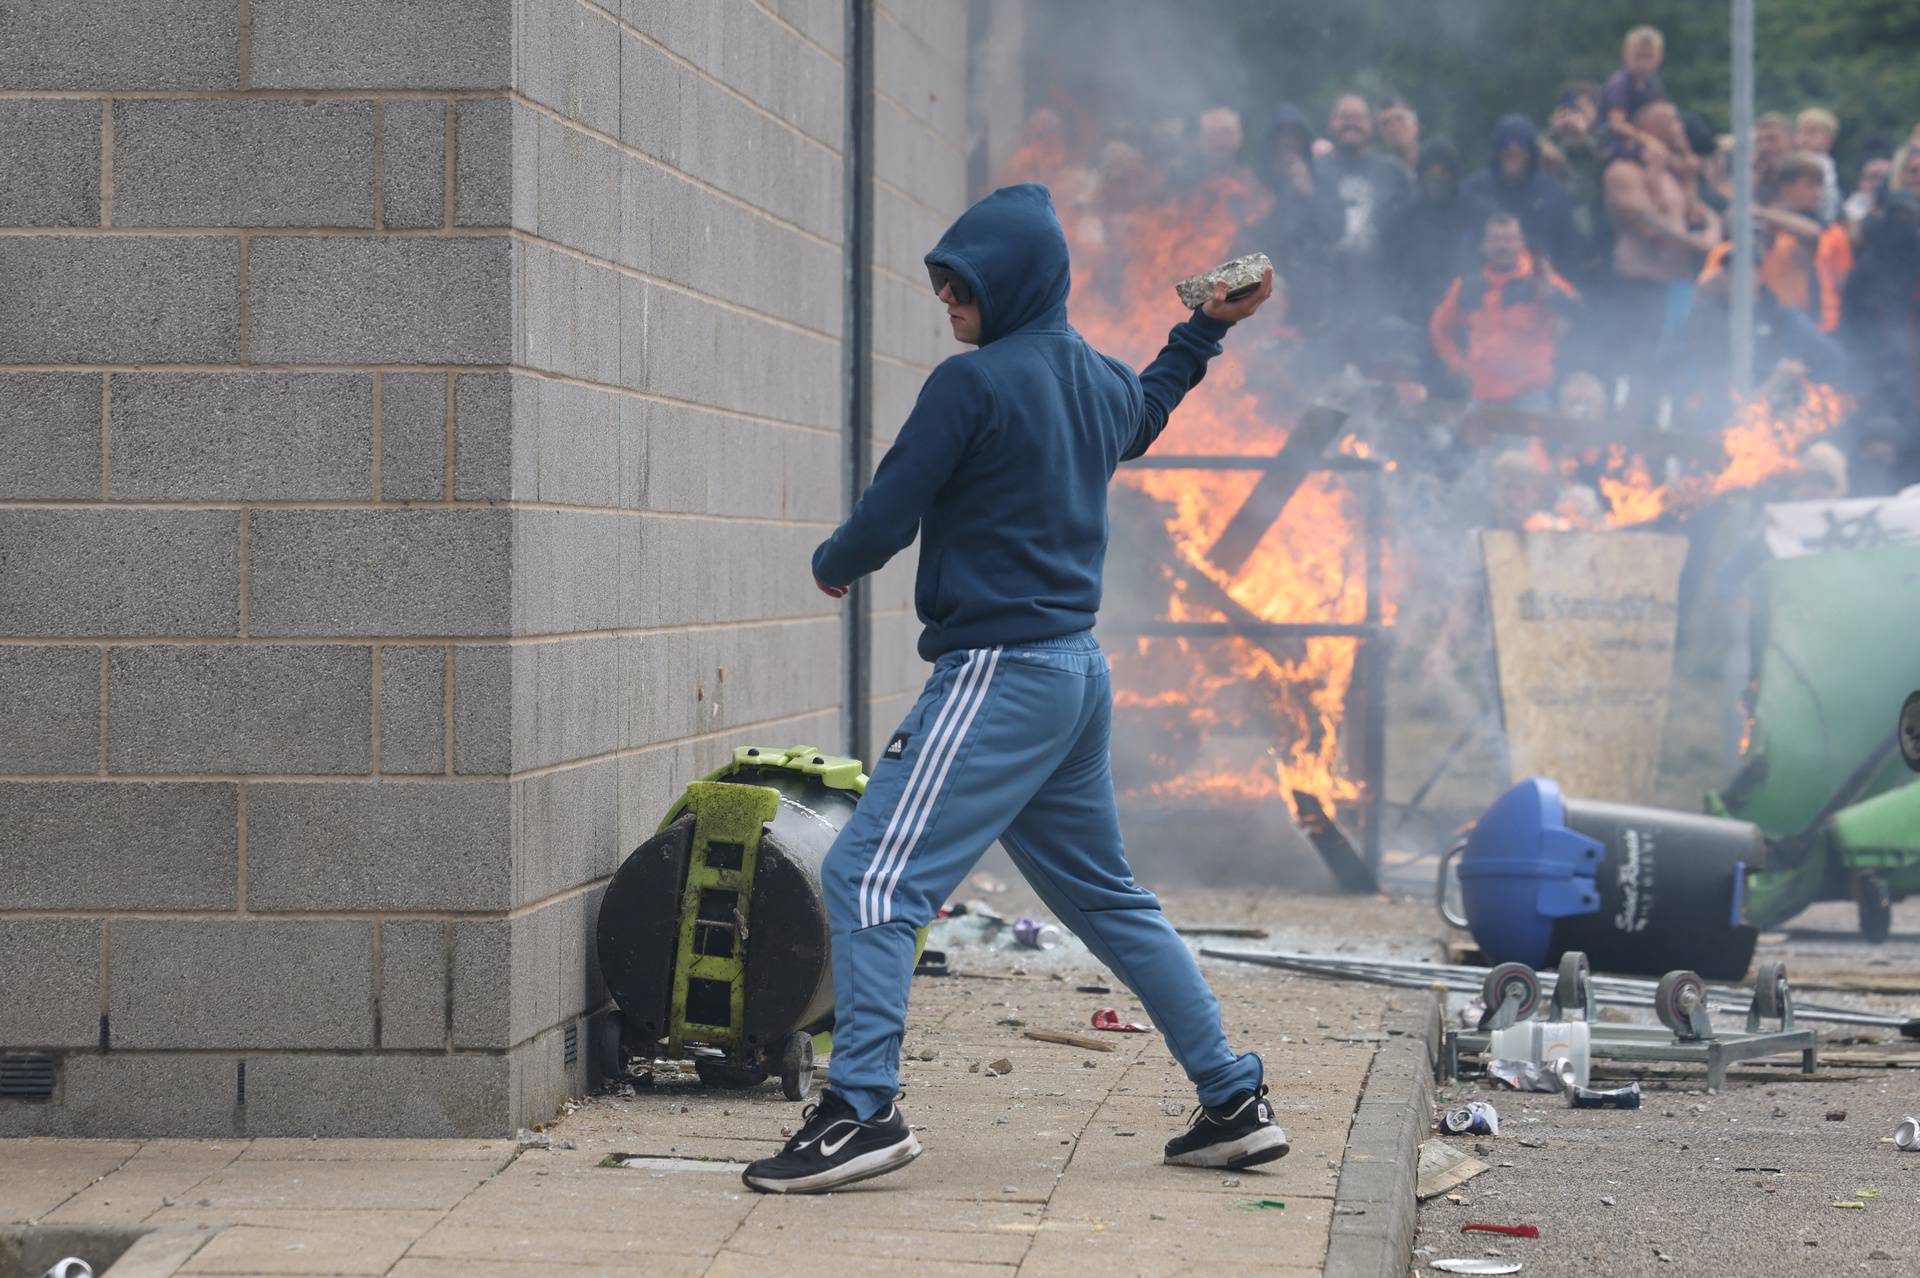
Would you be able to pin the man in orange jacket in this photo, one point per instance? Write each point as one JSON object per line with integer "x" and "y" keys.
{"x": 1501, "y": 329}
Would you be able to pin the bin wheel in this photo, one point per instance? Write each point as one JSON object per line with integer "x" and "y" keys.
{"x": 719, "y": 1073}
{"x": 1910, "y": 731}
{"x": 610, "y": 1047}
{"x": 1508, "y": 978}
{"x": 1675, "y": 1000}
{"x": 796, "y": 1067}
{"x": 1876, "y": 907}
{"x": 1573, "y": 988}
{"x": 1770, "y": 990}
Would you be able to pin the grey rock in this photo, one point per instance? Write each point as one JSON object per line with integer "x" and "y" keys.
{"x": 1239, "y": 273}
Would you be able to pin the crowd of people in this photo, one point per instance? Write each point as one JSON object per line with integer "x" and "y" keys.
{"x": 1583, "y": 266}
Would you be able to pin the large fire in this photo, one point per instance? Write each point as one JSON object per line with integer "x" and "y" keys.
{"x": 1131, "y": 238}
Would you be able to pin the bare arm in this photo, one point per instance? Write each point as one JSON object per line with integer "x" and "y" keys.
{"x": 1798, "y": 225}
{"x": 1631, "y": 208}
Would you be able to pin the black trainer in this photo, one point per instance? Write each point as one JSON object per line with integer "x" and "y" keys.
{"x": 833, "y": 1148}
{"x": 1240, "y": 1133}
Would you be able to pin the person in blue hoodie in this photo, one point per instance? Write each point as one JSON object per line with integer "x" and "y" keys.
{"x": 1002, "y": 470}
{"x": 1514, "y": 182}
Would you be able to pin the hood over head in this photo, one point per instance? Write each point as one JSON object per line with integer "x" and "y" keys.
{"x": 1287, "y": 118}
{"x": 1515, "y": 129}
{"x": 1441, "y": 152}
{"x": 1011, "y": 250}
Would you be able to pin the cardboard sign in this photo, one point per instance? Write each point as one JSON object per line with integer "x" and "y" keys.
{"x": 1583, "y": 631}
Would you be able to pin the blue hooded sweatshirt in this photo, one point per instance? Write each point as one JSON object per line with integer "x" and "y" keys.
{"x": 1536, "y": 198}
{"x": 1002, "y": 467}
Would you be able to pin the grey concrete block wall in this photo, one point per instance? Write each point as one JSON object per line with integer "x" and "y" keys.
{"x": 421, "y": 417}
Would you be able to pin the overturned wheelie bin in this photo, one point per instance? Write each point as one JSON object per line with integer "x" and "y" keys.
{"x": 713, "y": 935}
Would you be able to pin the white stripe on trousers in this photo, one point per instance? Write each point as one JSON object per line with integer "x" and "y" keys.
{"x": 924, "y": 765}
{"x": 956, "y": 739}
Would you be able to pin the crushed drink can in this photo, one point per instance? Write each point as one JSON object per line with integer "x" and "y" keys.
{"x": 1036, "y": 935}
{"x": 1907, "y": 1135}
{"x": 1476, "y": 1118}
{"x": 1627, "y": 1097}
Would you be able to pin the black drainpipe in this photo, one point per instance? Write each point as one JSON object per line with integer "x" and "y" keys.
{"x": 857, "y": 341}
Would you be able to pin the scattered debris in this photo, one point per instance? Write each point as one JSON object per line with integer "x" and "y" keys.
{"x": 1443, "y": 1167}
{"x": 1476, "y": 1118}
{"x": 1511, "y": 1231}
{"x": 1260, "y": 1204}
{"x": 1093, "y": 989}
{"x": 1836, "y": 1116}
{"x": 1231, "y": 1182}
{"x": 1108, "y": 1019}
{"x": 1070, "y": 1040}
{"x": 1036, "y": 935}
{"x": 1606, "y": 1200}
{"x": 1222, "y": 929}
{"x": 1627, "y": 1097}
{"x": 1879, "y": 1255}
{"x": 932, "y": 963}
{"x": 987, "y": 883}
{"x": 996, "y": 1068}
{"x": 1476, "y": 1266}
{"x": 1531, "y": 1142}
{"x": 1173, "y": 1109}
{"x": 529, "y": 1139}
{"x": 1854, "y": 1203}
{"x": 1907, "y": 1135}
{"x": 1088, "y": 1065}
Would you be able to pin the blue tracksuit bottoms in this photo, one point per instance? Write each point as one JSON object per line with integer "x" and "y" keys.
{"x": 1008, "y": 743}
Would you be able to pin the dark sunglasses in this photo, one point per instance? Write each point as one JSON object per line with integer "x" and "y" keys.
{"x": 945, "y": 277}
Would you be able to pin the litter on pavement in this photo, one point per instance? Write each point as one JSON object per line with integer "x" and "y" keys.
{"x": 1477, "y": 1266}
{"x": 1907, "y": 1135}
{"x": 1108, "y": 1019}
{"x": 1511, "y": 1231}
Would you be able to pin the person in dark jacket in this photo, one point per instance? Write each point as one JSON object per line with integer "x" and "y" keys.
{"x": 1002, "y": 469}
{"x": 1370, "y": 187}
{"x": 1514, "y": 181}
{"x": 1305, "y": 222}
{"x": 1436, "y": 236}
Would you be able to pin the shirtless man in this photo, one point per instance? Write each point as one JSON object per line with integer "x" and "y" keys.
{"x": 1662, "y": 231}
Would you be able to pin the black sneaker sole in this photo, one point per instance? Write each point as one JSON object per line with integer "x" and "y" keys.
{"x": 877, "y": 1162}
{"x": 1264, "y": 1145}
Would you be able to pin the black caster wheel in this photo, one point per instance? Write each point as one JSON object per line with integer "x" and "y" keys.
{"x": 1770, "y": 991}
{"x": 1677, "y": 999}
{"x": 718, "y": 1073}
{"x": 1515, "y": 980}
{"x": 1876, "y": 907}
{"x": 796, "y": 1067}
{"x": 610, "y": 1048}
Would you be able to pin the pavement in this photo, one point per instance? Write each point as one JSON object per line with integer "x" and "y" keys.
{"x": 1051, "y": 1167}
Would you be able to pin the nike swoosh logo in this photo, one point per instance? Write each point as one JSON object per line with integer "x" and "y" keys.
{"x": 833, "y": 1147}
{"x": 828, "y": 1149}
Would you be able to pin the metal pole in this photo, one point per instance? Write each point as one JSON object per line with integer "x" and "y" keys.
{"x": 1741, "y": 303}
{"x": 857, "y": 344}
{"x": 1373, "y": 656}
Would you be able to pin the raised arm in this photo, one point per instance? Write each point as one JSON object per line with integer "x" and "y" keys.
{"x": 1182, "y": 362}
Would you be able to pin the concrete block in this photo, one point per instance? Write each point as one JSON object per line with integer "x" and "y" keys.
{"x": 413, "y": 436}
{"x": 566, "y": 829}
{"x": 484, "y": 181}
{"x": 272, "y": 162}
{"x": 680, "y": 571}
{"x": 678, "y": 231}
{"x": 119, "y": 572}
{"x": 240, "y": 708}
{"x": 120, "y": 300}
{"x": 414, "y": 1096}
{"x": 483, "y": 436}
{"x": 349, "y": 300}
{"x": 382, "y": 44}
{"x": 413, "y": 710}
{"x": 50, "y": 435}
{"x": 741, "y": 45}
{"x": 542, "y": 1080}
{"x": 564, "y": 701}
{"x": 380, "y": 572}
{"x": 413, "y": 983}
{"x": 572, "y": 319}
{"x": 482, "y": 709}
{"x": 103, "y": 46}
{"x": 241, "y": 983}
{"x": 903, "y": 232}
{"x": 908, "y": 72}
{"x": 49, "y": 163}
{"x": 568, "y": 59}
{"x": 566, "y": 570}
{"x": 555, "y": 975}
{"x": 649, "y": 782}
{"x": 482, "y": 984}
{"x": 675, "y": 458}
{"x": 135, "y": 1094}
{"x": 571, "y": 437}
{"x": 821, "y": 21}
{"x": 668, "y": 344}
{"x": 692, "y": 124}
{"x": 413, "y": 162}
{"x": 917, "y": 160}
{"x": 687, "y": 683}
{"x": 242, "y": 436}
{"x": 419, "y": 845}
{"x": 577, "y": 180}
{"x": 49, "y": 983}
{"x": 68, "y": 845}
{"x": 50, "y": 704}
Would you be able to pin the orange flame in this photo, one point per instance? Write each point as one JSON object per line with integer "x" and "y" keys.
{"x": 1130, "y": 241}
